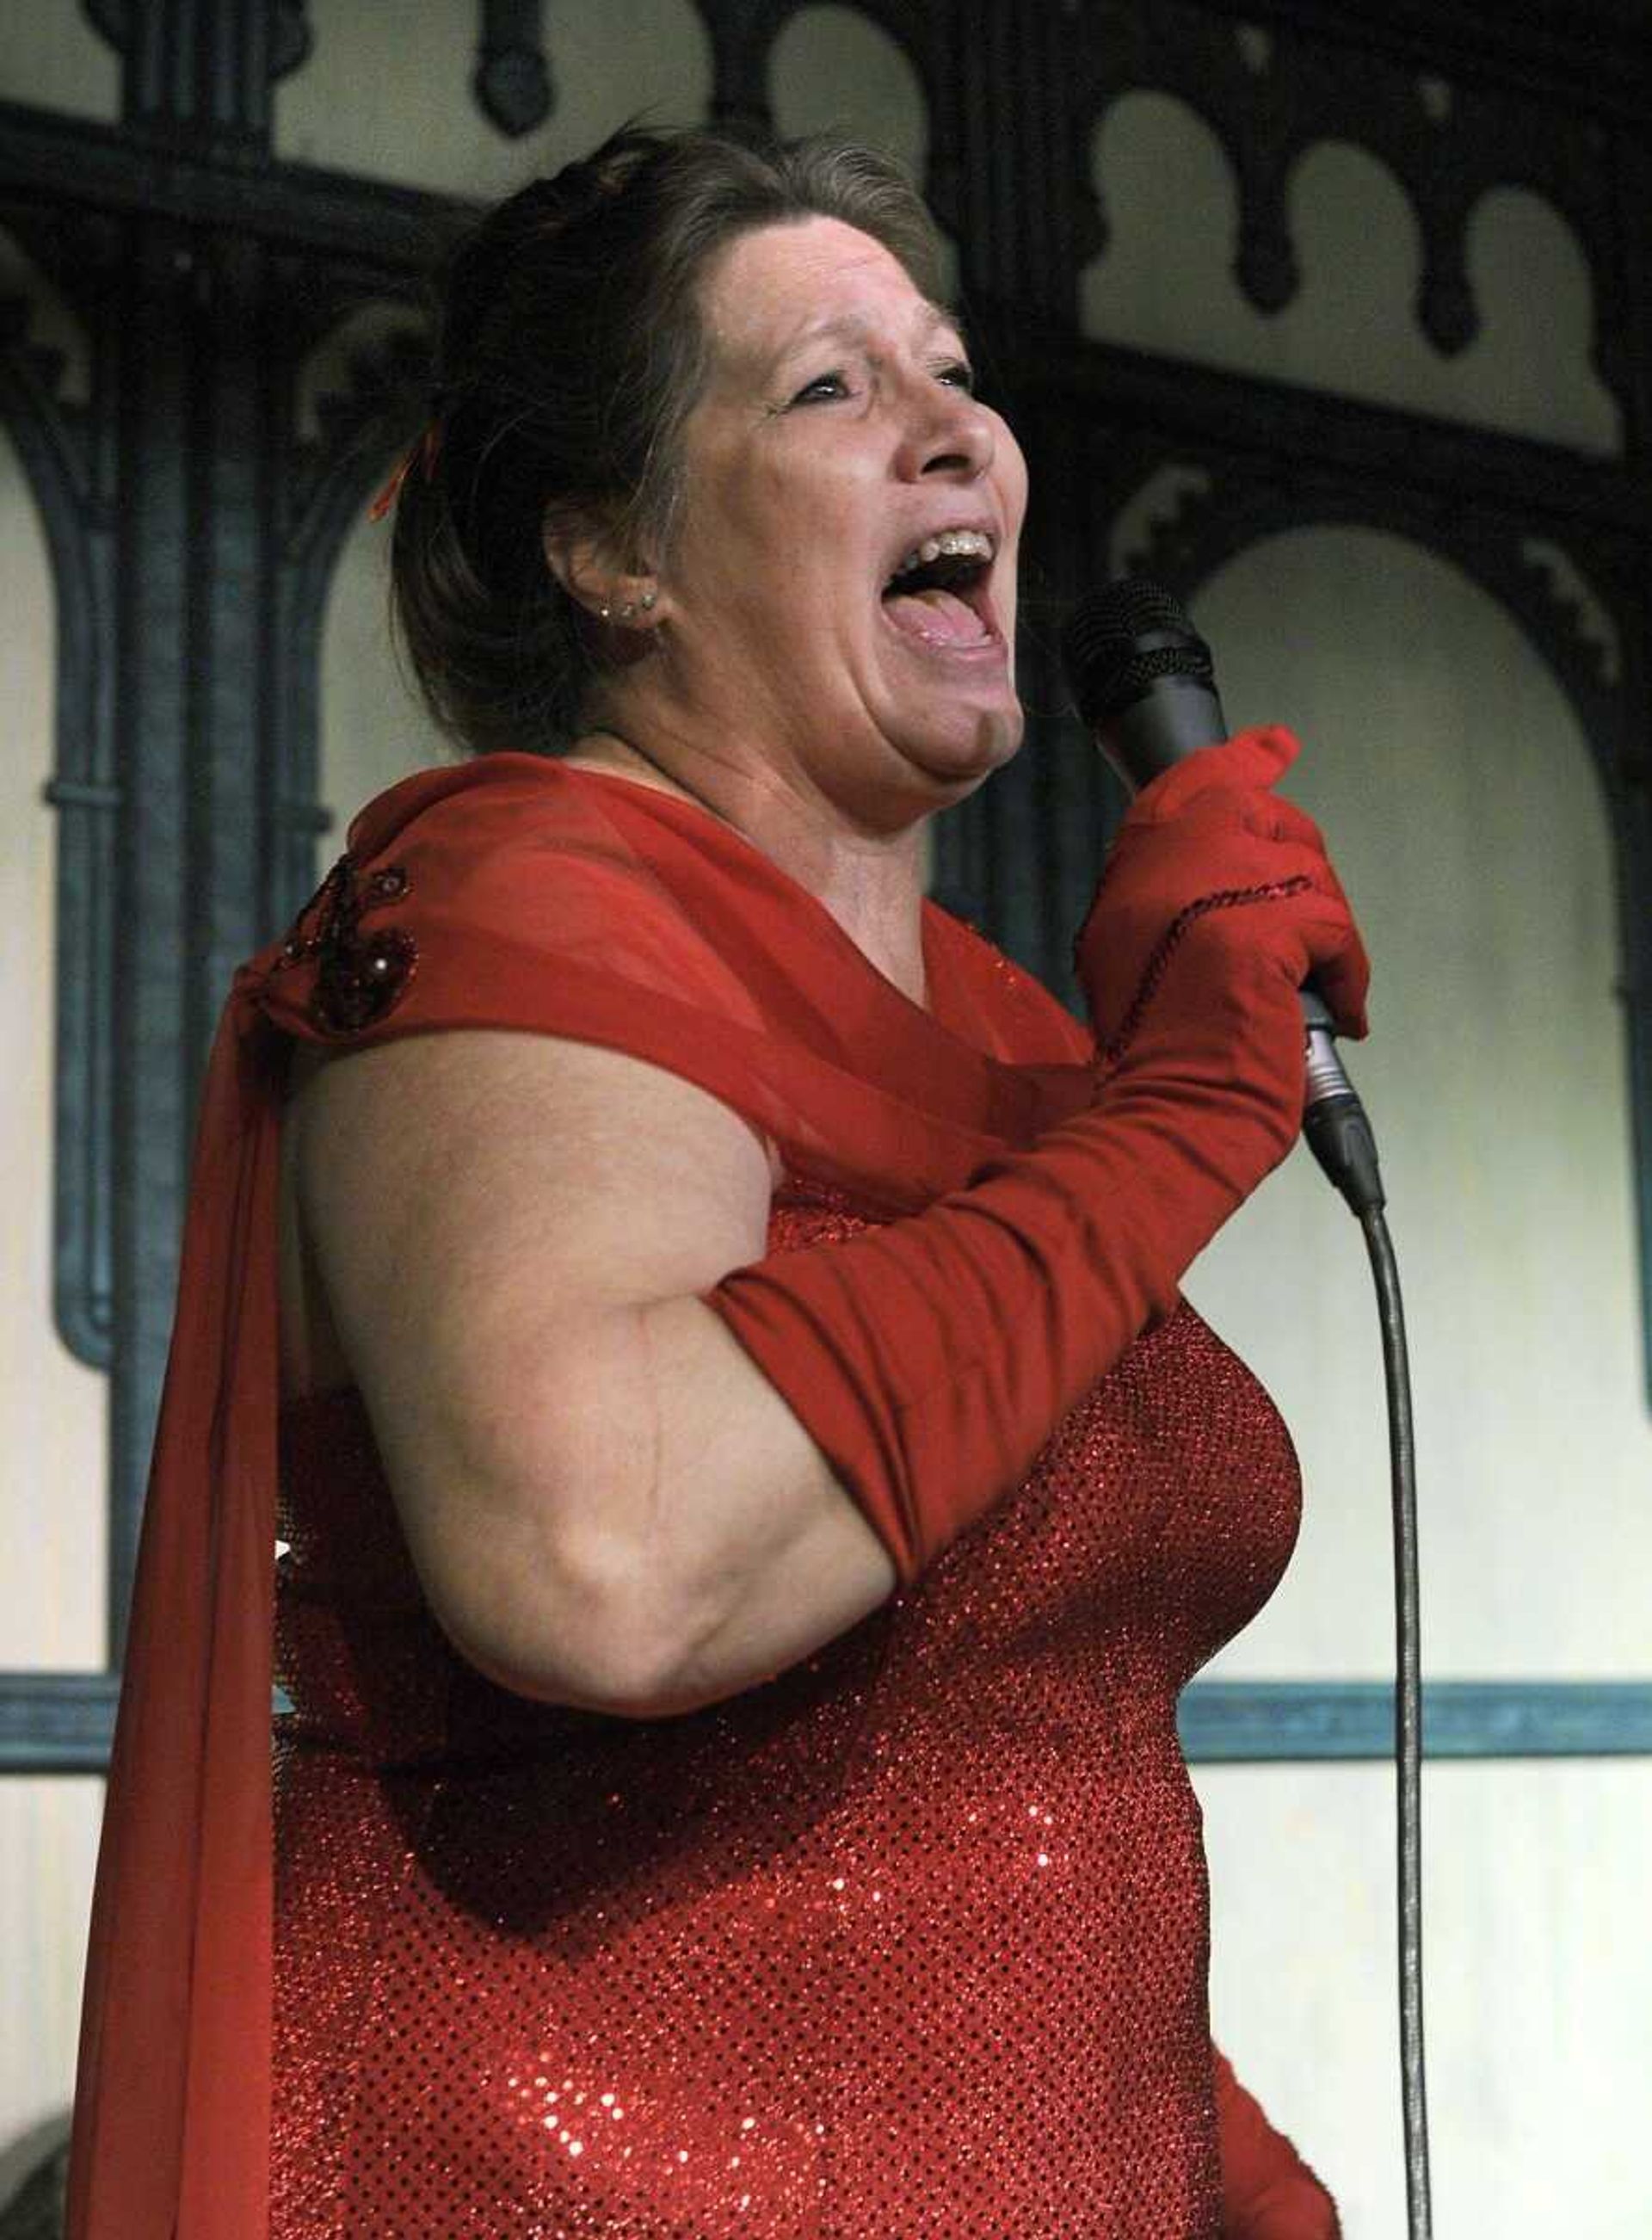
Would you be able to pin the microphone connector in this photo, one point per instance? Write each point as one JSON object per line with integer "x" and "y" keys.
{"x": 1334, "y": 1121}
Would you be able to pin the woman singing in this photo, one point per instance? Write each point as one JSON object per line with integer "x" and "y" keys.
{"x": 711, "y": 1326}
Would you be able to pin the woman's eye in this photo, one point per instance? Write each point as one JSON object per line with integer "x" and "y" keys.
{"x": 959, "y": 375}
{"x": 822, "y": 389}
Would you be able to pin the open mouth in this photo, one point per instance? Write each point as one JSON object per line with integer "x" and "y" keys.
{"x": 939, "y": 593}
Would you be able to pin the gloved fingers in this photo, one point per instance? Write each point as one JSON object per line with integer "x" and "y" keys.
{"x": 1286, "y": 929}
{"x": 1156, "y": 873}
{"x": 1271, "y": 818}
{"x": 1331, "y": 952}
{"x": 1249, "y": 760}
{"x": 1216, "y": 826}
{"x": 1341, "y": 972}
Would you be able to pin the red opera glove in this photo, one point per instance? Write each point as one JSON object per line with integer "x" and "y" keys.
{"x": 931, "y": 1358}
{"x": 1267, "y": 2190}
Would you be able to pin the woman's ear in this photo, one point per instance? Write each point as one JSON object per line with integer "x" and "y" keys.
{"x": 576, "y": 558}
{"x": 585, "y": 564}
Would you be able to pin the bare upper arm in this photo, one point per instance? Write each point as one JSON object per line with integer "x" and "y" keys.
{"x": 608, "y": 1502}
{"x": 478, "y": 1210}
{"x": 466, "y": 1196}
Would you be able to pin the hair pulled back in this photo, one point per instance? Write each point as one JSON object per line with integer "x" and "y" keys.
{"x": 570, "y": 352}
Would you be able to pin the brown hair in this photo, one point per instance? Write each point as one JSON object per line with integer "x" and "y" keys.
{"x": 570, "y": 352}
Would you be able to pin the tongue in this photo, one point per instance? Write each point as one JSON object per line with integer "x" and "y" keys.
{"x": 940, "y": 617}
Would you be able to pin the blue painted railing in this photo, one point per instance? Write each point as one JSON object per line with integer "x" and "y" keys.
{"x": 61, "y": 1723}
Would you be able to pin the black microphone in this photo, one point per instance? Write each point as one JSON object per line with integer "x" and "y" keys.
{"x": 1145, "y": 684}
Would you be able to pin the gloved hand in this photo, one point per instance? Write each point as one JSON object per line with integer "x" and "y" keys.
{"x": 1217, "y": 903}
{"x": 1207, "y": 839}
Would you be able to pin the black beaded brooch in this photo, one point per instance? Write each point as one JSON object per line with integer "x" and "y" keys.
{"x": 360, "y": 978}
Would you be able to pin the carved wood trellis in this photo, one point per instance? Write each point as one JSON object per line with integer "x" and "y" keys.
{"x": 192, "y": 532}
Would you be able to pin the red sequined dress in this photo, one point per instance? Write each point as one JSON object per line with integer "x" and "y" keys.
{"x": 912, "y": 1940}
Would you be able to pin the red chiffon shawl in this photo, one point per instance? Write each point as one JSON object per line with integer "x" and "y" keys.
{"x": 508, "y": 893}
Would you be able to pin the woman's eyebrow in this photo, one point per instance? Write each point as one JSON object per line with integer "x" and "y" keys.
{"x": 854, "y": 331}
{"x": 940, "y": 315}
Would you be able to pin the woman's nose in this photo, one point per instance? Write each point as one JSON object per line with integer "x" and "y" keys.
{"x": 949, "y": 433}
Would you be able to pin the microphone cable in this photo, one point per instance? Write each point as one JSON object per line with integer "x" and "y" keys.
{"x": 1408, "y": 1717}
{"x": 1144, "y": 682}
{"x": 1339, "y": 1135}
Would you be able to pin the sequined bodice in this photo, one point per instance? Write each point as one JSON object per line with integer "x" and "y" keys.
{"x": 910, "y": 1941}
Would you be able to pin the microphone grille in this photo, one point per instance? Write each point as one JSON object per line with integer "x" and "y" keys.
{"x": 1121, "y": 639}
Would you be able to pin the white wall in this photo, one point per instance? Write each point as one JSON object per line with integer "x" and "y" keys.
{"x": 1468, "y": 821}
{"x": 53, "y": 1443}
{"x": 1467, "y": 817}
{"x": 374, "y": 727}
{"x": 1470, "y": 826}
{"x": 383, "y": 92}
{"x": 51, "y": 56}
{"x": 1537, "y": 1971}
{"x": 52, "y": 1429}
{"x": 1166, "y": 283}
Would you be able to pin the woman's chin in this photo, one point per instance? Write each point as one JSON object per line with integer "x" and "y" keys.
{"x": 962, "y": 753}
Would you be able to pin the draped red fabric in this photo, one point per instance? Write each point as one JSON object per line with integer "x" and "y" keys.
{"x": 510, "y": 893}
{"x": 172, "y": 2106}
{"x": 1268, "y": 2191}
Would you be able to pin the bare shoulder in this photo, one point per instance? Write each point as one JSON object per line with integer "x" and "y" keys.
{"x": 487, "y": 1162}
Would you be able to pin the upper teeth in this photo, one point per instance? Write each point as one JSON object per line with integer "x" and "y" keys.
{"x": 953, "y": 544}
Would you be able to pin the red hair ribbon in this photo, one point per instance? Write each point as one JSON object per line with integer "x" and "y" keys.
{"x": 426, "y": 449}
